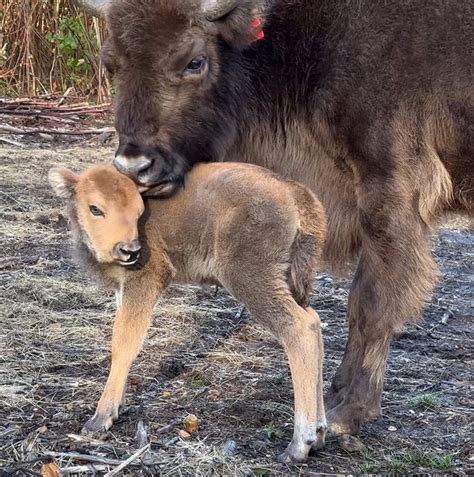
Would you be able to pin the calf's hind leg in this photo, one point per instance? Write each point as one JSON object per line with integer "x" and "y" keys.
{"x": 299, "y": 331}
{"x": 301, "y": 339}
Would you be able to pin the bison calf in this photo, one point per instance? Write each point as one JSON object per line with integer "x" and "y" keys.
{"x": 236, "y": 225}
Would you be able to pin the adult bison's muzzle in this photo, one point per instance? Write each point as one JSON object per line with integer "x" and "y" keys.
{"x": 151, "y": 168}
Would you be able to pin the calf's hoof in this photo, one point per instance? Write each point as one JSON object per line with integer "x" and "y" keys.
{"x": 321, "y": 432}
{"x": 297, "y": 451}
{"x": 288, "y": 457}
{"x": 98, "y": 423}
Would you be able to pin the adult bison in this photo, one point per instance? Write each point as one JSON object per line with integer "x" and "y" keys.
{"x": 371, "y": 104}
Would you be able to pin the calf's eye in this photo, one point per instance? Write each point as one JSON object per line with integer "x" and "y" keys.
{"x": 196, "y": 65}
{"x": 95, "y": 211}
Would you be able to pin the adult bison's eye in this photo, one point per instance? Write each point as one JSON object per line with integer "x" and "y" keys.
{"x": 96, "y": 211}
{"x": 196, "y": 65}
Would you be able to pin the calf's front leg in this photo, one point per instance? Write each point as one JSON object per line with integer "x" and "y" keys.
{"x": 131, "y": 324}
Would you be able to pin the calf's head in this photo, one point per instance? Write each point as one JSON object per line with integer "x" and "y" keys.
{"x": 176, "y": 69}
{"x": 105, "y": 206}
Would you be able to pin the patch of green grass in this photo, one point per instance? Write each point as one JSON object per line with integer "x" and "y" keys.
{"x": 397, "y": 465}
{"x": 442, "y": 462}
{"x": 272, "y": 431}
{"x": 198, "y": 381}
{"x": 371, "y": 462}
{"x": 6, "y": 90}
{"x": 279, "y": 379}
{"x": 426, "y": 402}
{"x": 261, "y": 471}
{"x": 416, "y": 459}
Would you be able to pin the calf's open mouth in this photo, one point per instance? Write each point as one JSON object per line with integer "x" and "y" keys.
{"x": 130, "y": 261}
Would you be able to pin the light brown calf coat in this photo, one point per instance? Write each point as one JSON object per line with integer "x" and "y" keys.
{"x": 237, "y": 225}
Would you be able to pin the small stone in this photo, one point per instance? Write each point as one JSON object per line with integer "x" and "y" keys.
{"x": 214, "y": 395}
{"x": 446, "y": 316}
{"x": 229, "y": 447}
{"x": 141, "y": 436}
{"x": 191, "y": 423}
{"x": 184, "y": 435}
{"x": 392, "y": 428}
{"x": 351, "y": 443}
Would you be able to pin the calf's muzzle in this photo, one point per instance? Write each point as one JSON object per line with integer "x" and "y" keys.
{"x": 127, "y": 253}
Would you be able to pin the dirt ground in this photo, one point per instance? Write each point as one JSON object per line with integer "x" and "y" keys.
{"x": 203, "y": 356}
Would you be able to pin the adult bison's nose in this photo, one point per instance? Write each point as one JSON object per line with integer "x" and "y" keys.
{"x": 132, "y": 161}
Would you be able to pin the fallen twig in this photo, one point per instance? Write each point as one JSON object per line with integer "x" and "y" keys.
{"x": 79, "y": 469}
{"x": 65, "y": 95}
{"x": 79, "y": 132}
{"x": 128, "y": 461}
{"x": 85, "y": 457}
{"x": 168, "y": 427}
{"x": 10, "y": 141}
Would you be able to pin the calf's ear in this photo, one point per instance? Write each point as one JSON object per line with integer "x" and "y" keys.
{"x": 62, "y": 181}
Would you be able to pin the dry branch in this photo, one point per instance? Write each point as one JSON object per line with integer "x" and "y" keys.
{"x": 85, "y": 457}
{"x": 10, "y": 141}
{"x": 128, "y": 461}
{"x": 168, "y": 427}
{"x": 79, "y": 132}
{"x": 81, "y": 469}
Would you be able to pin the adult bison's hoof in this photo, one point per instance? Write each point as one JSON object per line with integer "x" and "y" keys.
{"x": 97, "y": 424}
{"x": 344, "y": 419}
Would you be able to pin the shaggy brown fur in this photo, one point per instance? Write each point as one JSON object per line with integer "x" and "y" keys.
{"x": 368, "y": 103}
{"x": 236, "y": 225}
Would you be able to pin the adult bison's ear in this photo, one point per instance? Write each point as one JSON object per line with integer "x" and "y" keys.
{"x": 238, "y": 21}
{"x": 97, "y": 8}
{"x": 108, "y": 57}
{"x": 63, "y": 181}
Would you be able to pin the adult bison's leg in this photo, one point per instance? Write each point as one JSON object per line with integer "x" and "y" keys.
{"x": 395, "y": 275}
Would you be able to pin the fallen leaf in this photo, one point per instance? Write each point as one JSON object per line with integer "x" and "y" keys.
{"x": 50, "y": 470}
{"x": 184, "y": 435}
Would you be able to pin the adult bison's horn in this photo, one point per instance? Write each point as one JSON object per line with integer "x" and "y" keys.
{"x": 215, "y": 9}
{"x": 94, "y": 7}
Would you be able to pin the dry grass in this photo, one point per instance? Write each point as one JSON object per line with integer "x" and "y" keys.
{"x": 48, "y": 46}
{"x": 202, "y": 356}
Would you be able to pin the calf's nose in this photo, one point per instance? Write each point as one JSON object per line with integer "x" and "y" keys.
{"x": 127, "y": 251}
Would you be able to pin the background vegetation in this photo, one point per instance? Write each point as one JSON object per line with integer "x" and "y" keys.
{"x": 49, "y": 46}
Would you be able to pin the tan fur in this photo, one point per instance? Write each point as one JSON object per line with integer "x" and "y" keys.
{"x": 320, "y": 166}
{"x": 237, "y": 225}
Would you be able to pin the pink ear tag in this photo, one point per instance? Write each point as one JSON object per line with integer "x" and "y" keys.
{"x": 256, "y": 24}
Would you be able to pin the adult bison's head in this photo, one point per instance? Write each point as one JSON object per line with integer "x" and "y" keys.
{"x": 178, "y": 75}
